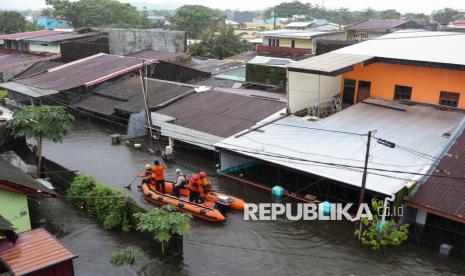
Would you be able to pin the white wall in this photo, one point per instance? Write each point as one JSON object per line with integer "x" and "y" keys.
{"x": 49, "y": 48}
{"x": 303, "y": 89}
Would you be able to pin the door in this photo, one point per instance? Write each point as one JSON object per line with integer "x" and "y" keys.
{"x": 348, "y": 93}
{"x": 363, "y": 90}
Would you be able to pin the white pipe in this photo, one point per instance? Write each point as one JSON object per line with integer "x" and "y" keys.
{"x": 386, "y": 199}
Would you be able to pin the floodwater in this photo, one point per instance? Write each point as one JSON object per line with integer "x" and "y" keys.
{"x": 235, "y": 247}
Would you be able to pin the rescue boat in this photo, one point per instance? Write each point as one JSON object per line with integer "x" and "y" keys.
{"x": 202, "y": 211}
{"x": 231, "y": 202}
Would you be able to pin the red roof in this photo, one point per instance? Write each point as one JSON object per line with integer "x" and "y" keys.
{"x": 34, "y": 250}
{"x": 445, "y": 196}
{"x": 87, "y": 72}
{"x": 11, "y": 59}
{"x": 19, "y": 36}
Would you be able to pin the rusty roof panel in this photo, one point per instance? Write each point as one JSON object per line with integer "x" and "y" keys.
{"x": 61, "y": 37}
{"x": 84, "y": 72}
{"x": 219, "y": 113}
{"x": 25, "y": 35}
{"x": 34, "y": 250}
{"x": 446, "y": 195}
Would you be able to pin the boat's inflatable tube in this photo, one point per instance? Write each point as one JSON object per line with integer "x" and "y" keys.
{"x": 196, "y": 210}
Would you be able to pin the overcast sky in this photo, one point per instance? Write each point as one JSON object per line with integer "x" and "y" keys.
{"x": 425, "y": 6}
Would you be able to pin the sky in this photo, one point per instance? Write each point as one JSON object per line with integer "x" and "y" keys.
{"x": 424, "y": 6}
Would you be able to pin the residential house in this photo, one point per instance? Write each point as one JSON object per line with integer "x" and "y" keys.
{"x": 15, "y": 188}
{"x": 457, "y": 25}
{"x": 36, "y": 252}
{"x": 315, "y": 25}
{"x": 294, "y": 41}
{"x": 267, "y": 72}
{"x": 372, "y": 28}
{"x": 70, "y": 82}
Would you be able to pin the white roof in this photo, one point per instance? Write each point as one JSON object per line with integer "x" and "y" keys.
{"x": 289, "y": 141}
{"x": 27, "y": 90}
{"x": 299, "y": 24}
{"x": 308, "y": 34}
{"x": 415, "y": 45}
{"x": 272, "y": 61}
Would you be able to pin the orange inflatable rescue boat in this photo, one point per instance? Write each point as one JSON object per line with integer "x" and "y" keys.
{"x": 203, "y": 211}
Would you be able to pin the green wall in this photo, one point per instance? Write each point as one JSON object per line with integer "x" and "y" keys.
{"x": 13, "y": 207}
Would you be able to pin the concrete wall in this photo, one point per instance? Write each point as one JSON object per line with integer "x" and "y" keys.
{"x": 304, "y": 90}
{"x": 125, "y": 41}
{"x": 15, "y": 210}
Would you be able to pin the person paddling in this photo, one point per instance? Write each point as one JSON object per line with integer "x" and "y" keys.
{"x": 158, "y": 173}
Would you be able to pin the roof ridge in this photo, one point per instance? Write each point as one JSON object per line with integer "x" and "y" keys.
{"x": 76, "y": 62}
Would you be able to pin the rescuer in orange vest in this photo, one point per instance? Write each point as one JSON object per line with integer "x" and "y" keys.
{"x": 194, "y": 186}
{"x": 158, "y": 174}
{"x": 205, "y": 186}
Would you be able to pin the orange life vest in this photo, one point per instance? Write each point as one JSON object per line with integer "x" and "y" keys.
{"x": 158, "y": 172}
{"x": 194, "y": 185}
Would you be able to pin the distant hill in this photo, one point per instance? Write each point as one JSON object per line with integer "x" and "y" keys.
{"x": 167, "y": 5}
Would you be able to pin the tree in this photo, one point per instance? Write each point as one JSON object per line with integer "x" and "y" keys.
{"x": 14, "y": 22}
{"x": 378, "y": 234}
{"x": 163, "y": 223}
{"x": 368, "y": 13}
{"x": 389, "y": 14}
{"x": 288, "y": 9}
{"x": 41, "y": 122}
{"x": 126, "y": 256}
{"x": 221, "y": 45}
{"x": 445, "y": 15}
{"x": 196, "y": 19}
{"x": 99, "y": 13}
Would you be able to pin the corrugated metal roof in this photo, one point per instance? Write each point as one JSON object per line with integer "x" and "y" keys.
{"x": 34, "y": 250}
{"x": 418, "y": 127}
{"x": 84, "y": 72}
{"x": 11, "y": 174}
{"x": 376, "y": 24}
{"x": 159, "y": 55}
{"x": 305, "y": 34}
{"x": 126, "y": 95}
{"x": 331, "y": 63}
{"x": 299, "y": 24}
{"x": 37, "y": 68}
{"x": 10, "y": 60}
{"x": 424, "y": 46}
{"x": 20, "y": 36}
{"x": 273, "y": 61}
{"x": 446, "y": 195}
{"x": 220, "y": 114}
{"x": 60, "y": 37}
{"x": 27, "y": 90}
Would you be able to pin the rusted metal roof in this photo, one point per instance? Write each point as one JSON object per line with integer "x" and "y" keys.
{"x": 85, "y": 72}
{"x": 34, "y": 250}
{"x": 159, "y": 55}
{"x": 37, "y": 68}
{"x": 376, "y": 24}
{"x": 11, "y": 175}
{"x": 20, "y": 36}
{"x": 219, "y": 113}
{"x": 445, "y": 196}
{"x": 10, "y": 60}
{"x": 60, "y": 37}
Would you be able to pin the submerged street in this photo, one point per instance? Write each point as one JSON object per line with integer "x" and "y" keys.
{"x": 233, "y": 247}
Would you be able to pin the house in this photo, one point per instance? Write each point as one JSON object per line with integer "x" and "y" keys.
{"x": 16, "y": 41}
{"x": 294, "y": 41}
{"x": 15, "y": 188}
{"x": 72, "y": 81}
{"x": 391, "y": 67}
{"x": 13, "y": 62}
{"x": 457, "y": 25}
{"x": 372, "y": 28}
{"x": 36, "y": 252}
{"x": 268, "y": 72}
{"x": 206, "y": 117}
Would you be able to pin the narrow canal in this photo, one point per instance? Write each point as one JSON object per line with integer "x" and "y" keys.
{"x": 235, "y": 247}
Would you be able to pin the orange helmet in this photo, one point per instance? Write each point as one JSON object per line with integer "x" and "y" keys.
{"x": 195, "y": 177}
{"x": 202, "y": 175}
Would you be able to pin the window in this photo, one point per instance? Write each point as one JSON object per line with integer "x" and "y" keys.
{"x": 293, "y": 43}
{"x": 449, "y": 99}
{"x": 402, "y": 92}
{"x": 277, "y": 42}
{"x": 269, "y": 41}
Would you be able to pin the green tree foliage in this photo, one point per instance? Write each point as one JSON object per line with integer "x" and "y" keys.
{"x": 163, "y": 223}
{"x": 3, "y": 96}
{"x": 221, "y": 45}
{"x": 418, "y": 17}
{"x": 288, "y": 9}
{"x": 126, "y": 256}
{"x": 106, "y": 203}
{"x": 389, "y": 14}
{"x": 42, "y": 122}
{"x": 14, "y": 22}
{"x": 445, "y": 15}
{"x": 377, "y": 234}
{"x": 99, "y": 13}
{"x": 196, "y": 19}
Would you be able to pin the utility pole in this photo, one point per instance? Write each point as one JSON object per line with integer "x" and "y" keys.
{"x": 142, "y": 73}
{"x": 364, "y": 180}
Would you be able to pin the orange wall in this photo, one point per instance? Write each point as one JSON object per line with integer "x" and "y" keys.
{"x": 426, "y": 83}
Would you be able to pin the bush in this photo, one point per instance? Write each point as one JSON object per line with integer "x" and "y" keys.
{"x": 125, "y": 256}
{"x": 106, "y": 203}
{"x": 377, "y": 235}
{"x": 3, "y": 95}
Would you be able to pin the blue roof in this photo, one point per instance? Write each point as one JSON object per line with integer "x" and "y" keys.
{"x": 52, "y": 23}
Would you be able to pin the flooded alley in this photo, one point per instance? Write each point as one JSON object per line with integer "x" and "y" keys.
{"x": 233, "y": 247}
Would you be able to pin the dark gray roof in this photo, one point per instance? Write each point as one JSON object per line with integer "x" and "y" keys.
{"x": 126, "y": 95}
{"x": 11, "y": 175}
{"x": 61, "y": 37}
{"x": 376, "y": 24}
{"x": 219, "y": 113}
{"x": 37, "y": 68}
